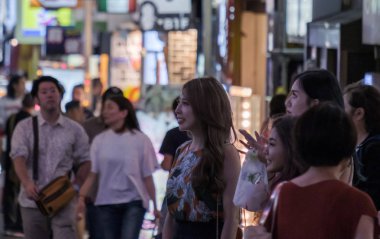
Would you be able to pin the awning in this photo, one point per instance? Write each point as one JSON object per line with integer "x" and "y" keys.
{"x": 327, "y": 32}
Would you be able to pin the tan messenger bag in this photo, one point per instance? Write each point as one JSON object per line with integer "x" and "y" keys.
{"x": 55, "y": 195}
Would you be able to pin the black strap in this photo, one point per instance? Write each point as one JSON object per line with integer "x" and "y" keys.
{"x": 35, "y": 149}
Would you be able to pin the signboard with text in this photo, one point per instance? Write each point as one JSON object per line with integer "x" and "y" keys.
{"x": 62, "y": 40}
{"x": 32, "y": 22}
{"x": 116, "y": 6}
{"x": 53, "y": 4}
{"x": 164, "y": 15}
{"x": 125, "y": 62}
{"x": 371, "y": 18}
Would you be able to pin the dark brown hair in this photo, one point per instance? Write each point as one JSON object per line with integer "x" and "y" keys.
{"x": 284, "y": 126}
{"x": 123, "y": 103}
{"x": 368, "y": 98}
{"x": 212, "y": 108}
{"x": 324, "y": 135}
{"x": 322, "y": 85}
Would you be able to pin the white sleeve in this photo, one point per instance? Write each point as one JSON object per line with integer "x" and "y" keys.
{"x": 149, "y": 162}
{"x": 94, "y": 154}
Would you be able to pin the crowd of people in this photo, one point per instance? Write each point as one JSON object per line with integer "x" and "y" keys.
{"x": 320, "y": 145}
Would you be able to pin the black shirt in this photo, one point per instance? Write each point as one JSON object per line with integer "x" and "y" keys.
{"x": 172, "y": 140}
{"x": 367, "y": 167}
{"x": 11, "y": 123}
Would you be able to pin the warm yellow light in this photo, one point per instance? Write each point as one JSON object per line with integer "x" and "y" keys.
{"x": 246, "y": 114}
{"x": 246, "y": 123}
{"x": 240, "y": 91}
{"x": 14, "y": 42}
{"x": 245, "y": 105}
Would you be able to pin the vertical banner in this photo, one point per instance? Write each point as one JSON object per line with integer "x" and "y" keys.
{"x": 126, "y": 48}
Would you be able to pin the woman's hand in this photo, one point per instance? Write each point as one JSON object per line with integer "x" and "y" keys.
{"x": 259, "y": 144}
{"x": 157, "y": 214}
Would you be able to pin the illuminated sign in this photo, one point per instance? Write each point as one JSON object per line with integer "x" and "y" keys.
{"x": 54, "y": 3}
{"x": 371, "y": 17}
{"x": 62, "y": 40}
{"x": 164, "y": 15}
{"x": 126, "y": 62}
{"x": 116, "y": 6}
{"x": 34, "y": 20}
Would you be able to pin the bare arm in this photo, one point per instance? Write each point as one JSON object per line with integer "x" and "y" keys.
{"x": 167, "y": 162}
{"x": 365, "y": 228}
{"x": 231, "y": 175}
{"x": 85, "y": 192}
{"x": 87, "y": 185}
{"x": 83, "y": 172}
{"x": 22, "y": 173}
{"x": 169, "y": 226}
{"x": 149, "y": 185}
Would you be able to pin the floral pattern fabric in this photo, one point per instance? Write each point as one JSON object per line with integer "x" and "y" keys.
{"x": 183, "y": 204}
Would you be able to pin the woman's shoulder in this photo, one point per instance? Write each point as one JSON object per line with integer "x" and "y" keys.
{"x": 102, "y": 135}
{"x": 334, "y": 188}
{"x": 139, "y": 136}
{"x": 230, "y": 151}
{"x": 232, "y": 162}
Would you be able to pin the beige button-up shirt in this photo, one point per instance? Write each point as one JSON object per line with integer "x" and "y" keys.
{"x": 61, "y": 146}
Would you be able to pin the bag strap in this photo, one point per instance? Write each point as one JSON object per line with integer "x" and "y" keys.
{"x": 12, "y": 123}
{"x": 272, "y": 206}
{"x": 35, "y": 149}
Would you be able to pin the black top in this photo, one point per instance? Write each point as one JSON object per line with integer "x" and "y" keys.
{"x": 11, "y": 123}
{"x": 172, "y": 140}
{"x": 367, "y": 167}
{"x": 88, "y": 113}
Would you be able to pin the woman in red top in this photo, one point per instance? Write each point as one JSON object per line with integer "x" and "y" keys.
{"x": 316, "y": 204}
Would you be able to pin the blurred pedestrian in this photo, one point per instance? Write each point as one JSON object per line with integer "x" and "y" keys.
{"x": 276, "y": 109}
{"x": 12, "y": 102}
{"x": 74, "y": 111}
{"x": 96, "y": 125}
{"x": 93, "y": 127}
{"x": 325, "y": 139}
{"x": 78, "y": 95}
{"x": 123, "y": 161}
{"x": 11, "y": 208}
{"x": 62, "y": 145}
{"x": 97, "y": 90}
{"x": 205, "y": 170}
{"x": 362, "y": 105}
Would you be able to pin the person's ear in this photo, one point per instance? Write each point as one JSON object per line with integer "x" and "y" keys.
{"x": 125, "y": 113}
{"x": 359, "y": 113}
{"x": 314, "y": 102}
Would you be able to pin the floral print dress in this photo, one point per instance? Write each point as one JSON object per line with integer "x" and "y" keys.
{"x": 183, "y": 204}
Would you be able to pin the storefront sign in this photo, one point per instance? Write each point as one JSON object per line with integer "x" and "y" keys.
{"x": 126, "y": 62}
{"x": 62, "y": 40}
{"x": 371, "y": 18}
{"x": 116, "y": 6}
{"x": 32, "y": 22}
{"x": 164, "y": 15}
{"x": 54, "y": 3}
